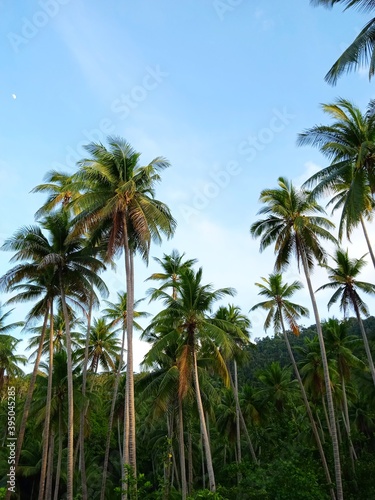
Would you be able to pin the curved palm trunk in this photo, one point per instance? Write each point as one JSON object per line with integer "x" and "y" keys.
{"x": 353, "y": 455}
{"x": 111, "y": 415}
{"x": 367, "y": 241}
{"x": 70, "y": 452}
{"x": 331, "y": 409}
{"x": 29, "y": 398}
{"x": 46, "y": 429}
{"x": 206, "y": 441}
{"x": 182, "y": 449}
{"x": 365, "y": 341}
{"x": 83, "y": 413}
{"x": 308, "y": 409}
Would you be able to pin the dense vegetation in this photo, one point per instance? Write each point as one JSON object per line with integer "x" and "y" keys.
{"x": 212, "y": 414}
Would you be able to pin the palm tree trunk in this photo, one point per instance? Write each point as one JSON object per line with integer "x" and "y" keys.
{"x": 29, "y": 398}
{"x": 59, "y": 457}
{"x": 327, "y": 380}
{"x": 308, "y": 409}
{"x": 367, "y": 241}
{"x": 130, "y": 451}
{"x": 365, "y": 341}
{"x": 242, "y": 420}
{"x": 50, "y": 466}
{"x": 182, "y": 449}
{"x": 206, "y": 442}
{"x": 70, "y": 451}
{"x": 353, "y": 455}
{"x": 238, "y": 429}
{"x": 47, "y": 420}
{"x": 190, "y": 461}
{"x": 111, "y": 414}
{"x": 83, "y": 413}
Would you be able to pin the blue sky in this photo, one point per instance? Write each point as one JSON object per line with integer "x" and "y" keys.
{"x": 220, "y": 88}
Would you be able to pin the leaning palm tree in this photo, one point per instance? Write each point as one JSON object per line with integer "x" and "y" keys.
{"x": 343, "y": 279}
{"x": 119, "y": 207}
{"x": 191, "y": 326}
{"x": 362, "y": 50}
{"x": 280, "y": 311}
{"x": 349, "y": 142}
{"x": 294, "y": 224}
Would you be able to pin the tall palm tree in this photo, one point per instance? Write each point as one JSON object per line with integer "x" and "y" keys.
{"x": 344, "y": 280}
{"x": 119, "y": 207}
{"x": 72, "y": 270}
{"x": 116, "y": 313}
{"x": 280, "y": 311}
{"x": 349, "y": 142}
{"x": 293, "y": 223}
{"x": 362, "y": 50}
{"x": 192, "y": 326}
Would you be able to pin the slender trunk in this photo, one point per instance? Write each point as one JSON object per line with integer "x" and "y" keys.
{"x": 70, "y": 450}
{"x": 112, "y": 413}
{"x": 238, "y": 429}
{"x": 203, "y": 469}
{"x": 119, "y": 440}
{"x": 50, "y": 466}
{"x": 29, "y": 398}
{"x": 59, "y": 457}
{"x": 47, "y": 420}
{"x": 327, "y": 380}
{"x": 182, "y": 449}
{"x": 307, "y": 406}
{"x": 367, "y": 241}
{"x": 129, "y": 269}
{"x": 353, "y": 454}
{"x": 168, "y": 463}
{"x": 190, "y": 462}
{"x": 125, "y": 445}
{"x": 83, "y": 414}
{"x": 365, "y": 341}
{"x": 242, "y": 421}
{"x": 326, "y": 416}
{"x": 206, "y": 442}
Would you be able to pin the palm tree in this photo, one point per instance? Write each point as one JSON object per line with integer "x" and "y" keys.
{"x": 233, "y": 315}
{"x": 103, "y": 346}
{"x": 191, "y": 327}
{"x": 280, "y": 310}
{"x": 116, "y": 313}
{"x": 62, "y": 189}
{"x": 343, "y": 279}
{"x": 349, "y": 142}
{"x": 119, "y": 207}
{"x": 341, "y": 346}
{"x": 70, "y": 268}
{"x": 293, "y": 225}
{"x": 362, "y": 50}
{"x": 172, "y": 266}
{"x": 9, "y": 360}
